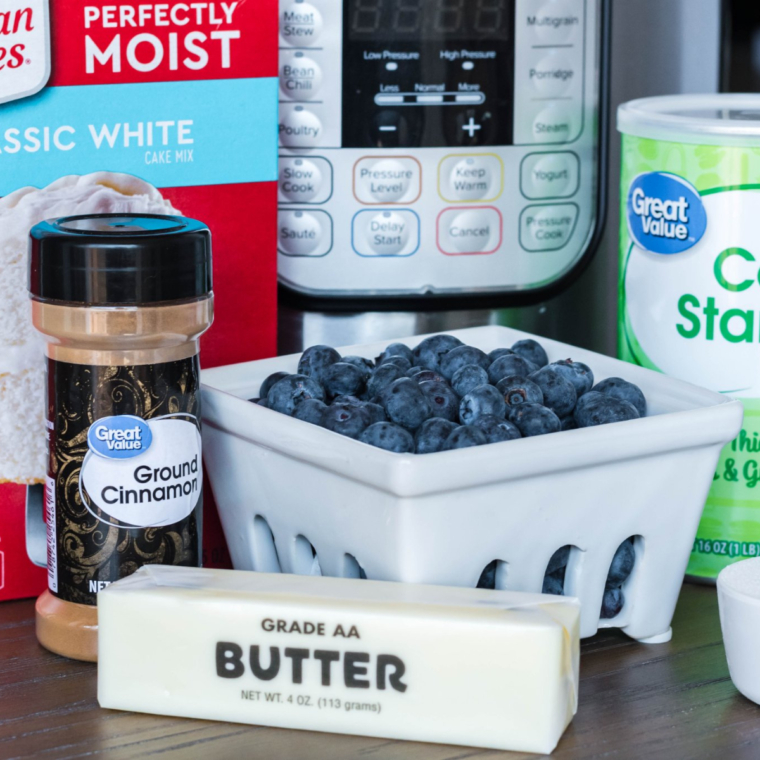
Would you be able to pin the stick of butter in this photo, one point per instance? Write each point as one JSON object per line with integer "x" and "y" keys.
{"x": 484, "y": 668}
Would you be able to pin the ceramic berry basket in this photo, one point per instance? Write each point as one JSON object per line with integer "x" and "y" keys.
{"x": 284, "y": 486}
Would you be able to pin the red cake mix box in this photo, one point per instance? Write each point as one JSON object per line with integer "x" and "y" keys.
{"x": 143, "y": 107}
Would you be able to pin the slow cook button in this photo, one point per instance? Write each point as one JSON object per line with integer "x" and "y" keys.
{"x": 386, "y": 233}
{"x": 476, "y": 230}
{"x": 300, "y": 76}
{"x": 304, "y": 233}
{"x": 300, "y": 179}
{"x": 299, "y": 128}
{"x": 300, "y": 23}
{"x": 388, "y": 180}
{"x": 547, "y": 228}
{"x": 549, "y": 175}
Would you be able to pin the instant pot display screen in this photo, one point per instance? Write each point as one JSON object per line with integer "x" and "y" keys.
{"x": 427, "y": 73}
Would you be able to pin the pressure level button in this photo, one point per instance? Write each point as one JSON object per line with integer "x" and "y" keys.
{"x": 387, "y": 180}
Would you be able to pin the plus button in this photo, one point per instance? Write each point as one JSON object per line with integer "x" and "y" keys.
{"x": 471, "y": 127}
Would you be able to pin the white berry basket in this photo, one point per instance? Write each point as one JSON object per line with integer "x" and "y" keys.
{"x": 283, "y": 486}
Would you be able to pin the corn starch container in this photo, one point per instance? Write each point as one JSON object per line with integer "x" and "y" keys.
{"x": 689, "y": 286}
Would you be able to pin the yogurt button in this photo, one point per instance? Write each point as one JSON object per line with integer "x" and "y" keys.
{"x": 300, "y": 23}
{"x": 550, "y": 175}
{"x": 470, "y": 179}
{"x": 387, "y": 232}
{"x": 299, "y": 232}
{"x": 387, "y": 180}
{"x": 553, "y": 125}
{"x": 552, "y": 75}
{"x": 300, "y": 76}
{"x": 300, "y": 128}
{"x": 300, "y": 179}
{"x": 471, "y": 231}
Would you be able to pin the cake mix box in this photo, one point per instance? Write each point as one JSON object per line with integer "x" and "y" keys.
{"x": 131, "y": 106}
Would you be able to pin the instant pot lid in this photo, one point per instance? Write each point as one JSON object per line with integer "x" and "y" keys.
{"x": 714, "y": 119}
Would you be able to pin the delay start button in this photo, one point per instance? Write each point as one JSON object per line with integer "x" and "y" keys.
{"x": 395, "y": 179}
{"x": 470, "y": 230}
{"x": 392, "y": 232}
{"x": 547, "y": 228}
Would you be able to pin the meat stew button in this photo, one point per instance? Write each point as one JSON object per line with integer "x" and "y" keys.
{"x": 300, "y": 23}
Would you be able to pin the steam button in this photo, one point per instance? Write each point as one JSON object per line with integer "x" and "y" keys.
{"x": 300, "y": 23}
{"x": 553, "y": 124}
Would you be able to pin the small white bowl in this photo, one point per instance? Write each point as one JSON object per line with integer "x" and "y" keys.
{"x": 739, "y": 604}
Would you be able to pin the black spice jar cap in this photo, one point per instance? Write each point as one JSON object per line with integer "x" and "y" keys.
{"x": 120, "y": 259}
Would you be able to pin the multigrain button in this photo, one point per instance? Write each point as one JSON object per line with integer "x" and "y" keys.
{"x": 549, "y": 175}
{"x": 300, "y": 23}
{"x": 388, "y": 180}
{"x": 547, "y": 228}
{"x": 300, "y": 76}
{"x": 300, "y": 179}
{"x": 301, "y": 233}
{"x": 299, "y": 128}
{"x": 475, "y": 230}
{"x": 469, "y": 178}
{"x": 553, "y": 124}
{"x": 552, "y": 75}
{"x": 556, "y": 22}
{"x": 386, "y": 233}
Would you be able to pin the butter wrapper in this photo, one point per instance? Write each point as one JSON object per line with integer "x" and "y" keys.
{"x": 482, "y": 668}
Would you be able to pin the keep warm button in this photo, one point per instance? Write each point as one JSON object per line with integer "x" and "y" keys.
{"x": 547, "y": 228}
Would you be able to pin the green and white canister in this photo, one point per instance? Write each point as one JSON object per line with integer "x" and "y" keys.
{"x": 690, "y": 281}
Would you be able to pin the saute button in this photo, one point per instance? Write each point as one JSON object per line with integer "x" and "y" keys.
{"x": 300, "y": 23}
{"x": 300, "y": 233}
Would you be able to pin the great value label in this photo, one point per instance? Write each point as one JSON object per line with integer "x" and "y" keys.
{"x": 689, "y": 288}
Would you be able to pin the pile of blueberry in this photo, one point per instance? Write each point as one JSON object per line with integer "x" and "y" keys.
{"x": 444, "y": 395}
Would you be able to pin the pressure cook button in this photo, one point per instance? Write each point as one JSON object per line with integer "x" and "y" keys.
{"x": 476, "y": 230}
{"x": 552, "y": 75}
{"x": 388, "y": 180}
{"x": 300, "y": 23}
{"x": 302, "y": 233}
{"x": 300, "y": 179}
{"x": 549, "y": 175}
{"x": 547, "y": 228}
{"x": 469, "y": 178}
{"x": 300, "y": 76}
{"x": 556, "y": 21}
{"x": 554, "y": 124}
{"x": 299, "y": 128}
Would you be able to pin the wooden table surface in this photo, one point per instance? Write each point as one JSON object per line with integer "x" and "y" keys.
{"x": 672, "y": 701}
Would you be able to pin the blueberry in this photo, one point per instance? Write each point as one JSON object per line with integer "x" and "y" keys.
{"x": 382, "y": 378}
{"x": 460, "y": 357}
{"x": 415, "y": 371}
{"x": 622, "y": 564}
{"x": 612, "y": 603}
{"x": 347, "y": 400}
{"x": 375, "y": 412}
{"x": 625, "y": 391}
{"x": 311, "y": 410}
{"x": 464, "y": 437}
{"x": 347, "y": 419}
{"x": 498, "y": 353}
{"x": 554, "y": 584}
{"x": 405, "y": 403}
{"x": 578, "y": 373}
{"x": 432, "y": 434}
{"x": 569, "y": 423}
{"x": 559, "y": 393}
{"x": 467, "y": 378}
{"x": 430, "y": 351}
{"x": 397, "y": 349}
{"x": 496, "y": 429}
{"x": 399, "y": 361}
{"x": 532, "y": 351}
{"x": 442, "y": 399}
{"x": 480, "y": 401}
{"x": 534, "y": 419}
{"x": 427, "y": 375}
{"x": 488, "y": 576}
{"x": 286, "y": 394}
{"x": 261, "y": 402}
{"x": 342, "y": 379}
{"x": 596, "y": 408}
{"x": 386, "y": 435}
{"x": 315, "y": 359}
{"x": 270, "y": 381}
{"x": 365, "y": 366}
{"x": 509, "y": 366}
{"x": 559, "y": 560}
{"x": 519, "y": 390}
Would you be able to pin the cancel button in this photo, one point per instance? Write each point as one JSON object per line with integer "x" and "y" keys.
{"x": 547, "y": 228}
{"x": 476, "y": 230}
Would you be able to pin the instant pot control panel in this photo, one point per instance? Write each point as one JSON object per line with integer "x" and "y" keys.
{"x": 436, "y": 146}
